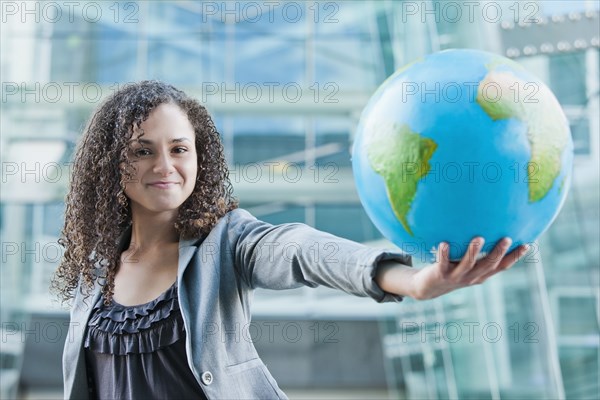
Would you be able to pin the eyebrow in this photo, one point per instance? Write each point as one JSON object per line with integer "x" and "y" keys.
{"x": 146, "y": 141}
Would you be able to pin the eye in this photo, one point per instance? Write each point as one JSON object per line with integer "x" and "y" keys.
{"x": 141, "y": 152}
{"x": 180, "y": 150}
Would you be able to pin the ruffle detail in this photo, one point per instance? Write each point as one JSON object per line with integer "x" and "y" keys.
{"x": 145, "y": 328}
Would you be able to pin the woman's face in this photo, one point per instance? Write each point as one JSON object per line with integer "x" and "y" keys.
{"x": 165, "y": 162}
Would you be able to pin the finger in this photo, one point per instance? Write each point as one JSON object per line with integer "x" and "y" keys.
{"x": 504, "y": 264}
{"x": 443, "y": 258}
{"x": 470, "y": 257}
{"x": 490, "y": 265}
{"x": 493, "y": 259}
{"x": 511, "y": 258}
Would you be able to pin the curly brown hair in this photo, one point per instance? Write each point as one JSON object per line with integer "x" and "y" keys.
{"x": 97, "y": 209}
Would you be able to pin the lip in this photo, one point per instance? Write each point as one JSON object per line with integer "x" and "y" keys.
{"x": 163, "y": 184}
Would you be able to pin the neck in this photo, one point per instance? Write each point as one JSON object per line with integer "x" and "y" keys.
{"x": 153, "y": 231}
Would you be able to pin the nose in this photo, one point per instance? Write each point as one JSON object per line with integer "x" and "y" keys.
{"x": 163, "y": 165}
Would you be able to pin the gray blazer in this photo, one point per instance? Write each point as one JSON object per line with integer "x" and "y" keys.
{"x": 216, "y": 277}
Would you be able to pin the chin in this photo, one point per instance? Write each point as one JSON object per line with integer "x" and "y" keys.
{"x": 161, "y": 208}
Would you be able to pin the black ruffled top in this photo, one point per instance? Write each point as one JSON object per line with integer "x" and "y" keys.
{"x": 138, "y": 352}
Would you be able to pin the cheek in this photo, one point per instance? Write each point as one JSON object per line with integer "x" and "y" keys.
{"x": 192, "y": 168}
{"x": 192, "y": 175}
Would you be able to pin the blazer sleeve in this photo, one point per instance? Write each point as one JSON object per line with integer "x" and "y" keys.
{"x": 292, "y": 255}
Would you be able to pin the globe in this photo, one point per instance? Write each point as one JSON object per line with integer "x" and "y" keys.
{"x": 459, "y": 144}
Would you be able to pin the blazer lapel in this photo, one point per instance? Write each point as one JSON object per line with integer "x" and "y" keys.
{"x": 187, "y": 248}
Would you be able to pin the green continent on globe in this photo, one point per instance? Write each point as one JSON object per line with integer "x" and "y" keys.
{"x": 401, "y": 157}
{"x": 534, "y": 105}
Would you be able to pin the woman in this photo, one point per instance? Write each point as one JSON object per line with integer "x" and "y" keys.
{"x": 160, "y": 263}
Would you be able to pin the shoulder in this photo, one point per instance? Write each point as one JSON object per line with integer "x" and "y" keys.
{"x": 232, "y": 221}
{"x": 239, "y": 215}
{"x": 238, "y": 220}
{"x": 239, "y": 229}
{"x": 233, "y": 224}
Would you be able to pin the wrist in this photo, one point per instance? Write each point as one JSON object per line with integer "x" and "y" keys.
{"x": 396, "y": 278}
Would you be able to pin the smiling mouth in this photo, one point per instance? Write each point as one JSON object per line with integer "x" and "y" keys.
{"x": 163, "y": 185}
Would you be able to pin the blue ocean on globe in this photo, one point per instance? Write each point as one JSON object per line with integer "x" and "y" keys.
{"x": 459, "y": 144}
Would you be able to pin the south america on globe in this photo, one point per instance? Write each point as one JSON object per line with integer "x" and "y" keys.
{"x": 459, "y": 144}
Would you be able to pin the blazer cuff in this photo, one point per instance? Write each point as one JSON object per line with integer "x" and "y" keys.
{"x": 373, "y": 289}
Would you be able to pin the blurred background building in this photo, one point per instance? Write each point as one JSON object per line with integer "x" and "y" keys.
{"x": 286, "y": 82}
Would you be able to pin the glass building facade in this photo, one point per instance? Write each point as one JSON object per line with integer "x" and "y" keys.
{"x": 286, "y": 82}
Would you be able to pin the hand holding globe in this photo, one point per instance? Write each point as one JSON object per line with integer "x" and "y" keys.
{"x": 444, "y": 276}
{"x": 458, "y": 145}
{"x": 462, "y": 158}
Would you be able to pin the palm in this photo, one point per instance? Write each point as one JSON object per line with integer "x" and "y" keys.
{"x": 444, "y": 276}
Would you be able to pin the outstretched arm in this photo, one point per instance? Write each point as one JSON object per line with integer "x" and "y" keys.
{"x": 444, "y": 276}
{"x": 288, "y": 256}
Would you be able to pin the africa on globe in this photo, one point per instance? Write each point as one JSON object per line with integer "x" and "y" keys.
{"x": 458, "y": 144}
